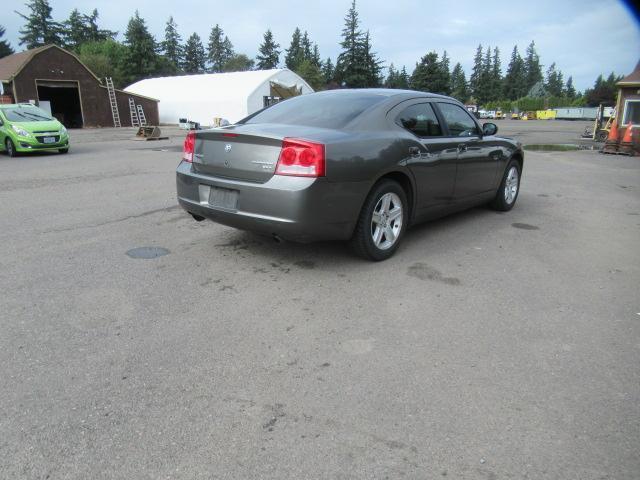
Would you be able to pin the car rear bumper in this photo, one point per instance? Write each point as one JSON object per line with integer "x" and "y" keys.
{"x": 293, "y": 208}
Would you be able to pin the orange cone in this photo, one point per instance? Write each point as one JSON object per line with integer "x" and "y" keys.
{"x": 611, "y": 144}
{"x": 626, "y": 146}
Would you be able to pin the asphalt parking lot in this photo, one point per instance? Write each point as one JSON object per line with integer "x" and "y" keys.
{"x": 492, "y": 346}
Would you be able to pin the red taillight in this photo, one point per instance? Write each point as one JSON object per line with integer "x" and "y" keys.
{"x": 301, "y": 158}
{"x": 189, "y": 147}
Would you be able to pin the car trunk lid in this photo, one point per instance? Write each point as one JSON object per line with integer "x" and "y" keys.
{"x": 236, "y": 154}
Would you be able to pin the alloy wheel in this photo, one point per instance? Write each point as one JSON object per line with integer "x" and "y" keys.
{"x": 386, "y": 221}
{"x": 511, "y": 185}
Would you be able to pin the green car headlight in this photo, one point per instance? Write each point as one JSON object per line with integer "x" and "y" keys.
{"x": 20, "y": 131}
{"x": 63, "y": 130}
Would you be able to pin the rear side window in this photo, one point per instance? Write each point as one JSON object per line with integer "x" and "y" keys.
{"x": 421, "y": 120}
{"x": 330, "y": 110}
{"x": 458, "y": 120}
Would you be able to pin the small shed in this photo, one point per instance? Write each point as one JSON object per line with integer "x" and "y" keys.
{"x": 628, "y": 106}
{"x": 56, "y": 80}
{"x": 232, "y": 96}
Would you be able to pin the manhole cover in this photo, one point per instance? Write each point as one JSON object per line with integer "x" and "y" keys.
{"x": 147, "y": 252}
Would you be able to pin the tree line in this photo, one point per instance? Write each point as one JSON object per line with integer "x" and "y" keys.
{"x": 524, "y": 85}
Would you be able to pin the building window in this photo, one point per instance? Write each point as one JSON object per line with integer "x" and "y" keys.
{"x": 269, "y": 100}
{"x": 631, "y": 112}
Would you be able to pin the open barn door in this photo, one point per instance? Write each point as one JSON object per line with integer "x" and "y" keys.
{"x": 64, "y": 101}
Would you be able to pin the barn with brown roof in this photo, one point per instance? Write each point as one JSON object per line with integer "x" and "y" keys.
{"x": 56, "y": 80}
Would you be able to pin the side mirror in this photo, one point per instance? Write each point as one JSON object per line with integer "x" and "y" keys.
{"x": 489, "y": 129}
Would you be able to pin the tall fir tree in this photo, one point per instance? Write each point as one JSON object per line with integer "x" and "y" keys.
{"x": 5, "y": 47}
{"x": 295, "y": 53}
{"x": 195, "y": 57}
{"x": 458, "y": 84}
{"x": 172, "y": 43}
{"x": 532, "y": 67}
{"x": 269, "y": 55}
{"x": 403, "y": 79}
{"x": 392, "y": 77}
{"x": 142, "y": 56}
{"x": 357, "y": 65}
{"x": 40, "y": 28}
{"x": 514, "y": 85}
{"x": 427, "y": 76}
{"x": 554, "y": 83}
{"x": 328, "y": 71}
{"x": 569, "y": 89}
{"x": 495, "y": 91}
{"x": 220, "y": 50}
{"x": 94, "y": 32}
{"x": 445, "y": 74}
{"x": 476, "y": 72}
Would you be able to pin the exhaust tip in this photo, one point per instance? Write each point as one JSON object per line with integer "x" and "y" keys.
{"x": 197, "y": 218}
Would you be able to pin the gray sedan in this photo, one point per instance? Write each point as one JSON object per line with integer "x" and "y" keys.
{"x": 356, "y": 165}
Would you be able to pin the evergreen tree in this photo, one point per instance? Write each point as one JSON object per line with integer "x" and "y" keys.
{"x": 75, "y": 30}
{"x": 476, "y": 72}
{"x": 554, "y": 83}
{"x": 403, "y": 79}
{"x": 427, "y": 76}
{"x": 514, "y": 85}
{"x": 40, "y": 28}
{"x": 220, "y": 50}
{"x": 328, "y": 71}
{"x": 484, "y": 86}
{"x": 569, "y": 90}
{"x": 392, "y": 77}
{"x": 95, "y": 33}
{"x": 603, "y": 91}
{"x": 315, "y": 56}
{"x": 237, "y": 62}
{"x": 357, "y": 65}
{"x": 269, "y": 55}
{"x": 495, "y": 91}
{"x": 458, "y": 85}
{"x": 445, "y": 74}
{"x": 295, "y": 52}
{"x": 80, "y": 28}
{"x": 195, "y": 57}
{"x": 5, "y": 47}
{"x": 171, "y": 46}
{"x": 141, "y": 58}
{"x": 532, "y": 67}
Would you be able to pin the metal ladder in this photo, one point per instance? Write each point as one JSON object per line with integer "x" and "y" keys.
{"x": 135, "y": 122}
{"x": 114, "y": 102}
{"x": 143, "y": 119}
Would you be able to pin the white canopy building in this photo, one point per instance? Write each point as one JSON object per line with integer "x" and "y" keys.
{"x": 232, "y": 96}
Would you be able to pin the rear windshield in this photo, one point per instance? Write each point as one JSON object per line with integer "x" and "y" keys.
{"x": 26, "y": 114}
{"x": 322, "y": 111}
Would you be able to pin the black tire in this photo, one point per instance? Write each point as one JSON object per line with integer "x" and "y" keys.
{"x": 362, "y": 242}
{"x": 503, "y": 202}
{"x": 10, "y": 148}
{"x": 63, "y": 150}
{"x": 602, "y": 136}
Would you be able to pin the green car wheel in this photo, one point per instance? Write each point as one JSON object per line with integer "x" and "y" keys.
{"x": 10, "y": 148}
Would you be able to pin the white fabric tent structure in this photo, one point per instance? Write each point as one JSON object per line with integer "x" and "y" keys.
{"x": 232, "y": 96}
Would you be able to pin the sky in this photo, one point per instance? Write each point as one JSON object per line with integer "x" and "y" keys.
{"x": 583, "y": 37}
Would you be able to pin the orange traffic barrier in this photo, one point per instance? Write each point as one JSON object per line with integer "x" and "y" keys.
{"x": 626, "y": 146}
{"x": 611, "y": 144}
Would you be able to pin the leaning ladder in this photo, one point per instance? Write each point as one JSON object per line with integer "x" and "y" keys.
{"x": 114, "y": 102}
{"x": 143, "y": 119}
{"x": 135, "y": 122}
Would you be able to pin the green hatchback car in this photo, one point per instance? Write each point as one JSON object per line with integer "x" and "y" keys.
{"x": 27, "y": 128}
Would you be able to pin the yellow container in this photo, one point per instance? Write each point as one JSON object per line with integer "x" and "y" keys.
{"x": 546, "y": 114}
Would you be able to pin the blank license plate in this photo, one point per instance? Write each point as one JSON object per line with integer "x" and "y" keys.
{"x": 223, "y": 198}
{"x": 49, "y": 139}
